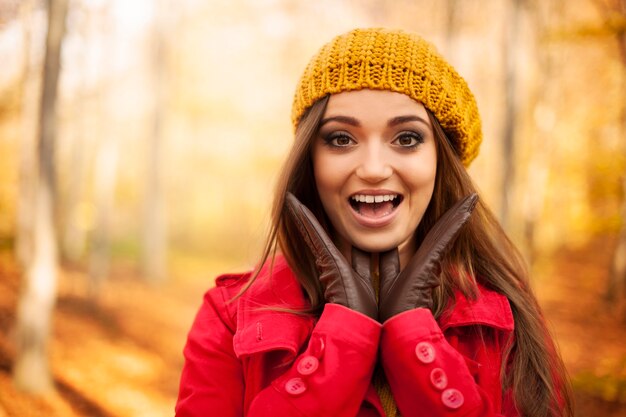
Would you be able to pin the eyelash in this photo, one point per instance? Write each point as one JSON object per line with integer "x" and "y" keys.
{"x": 417, "y": 137}
{"x": 331, "y": 139}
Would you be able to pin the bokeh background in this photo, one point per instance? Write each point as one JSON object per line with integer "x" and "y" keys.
{"x": 151, "y": 170}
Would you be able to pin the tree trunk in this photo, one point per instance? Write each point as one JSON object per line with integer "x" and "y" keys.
{"x": 154, "y": 228}
{"x": 451, "y": 26}
{"x": 25, "y": 204}
{"x": 31, "y": 370}
{"x": 616, "y": 286}
{"x": 104, "y": 188}
{"x": 510, "y": 65}
{"x": 74, "y": 229}
{"x": 543, "y": 114}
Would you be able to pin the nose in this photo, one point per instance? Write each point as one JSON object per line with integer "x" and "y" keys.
{"x": 374, "y": 165}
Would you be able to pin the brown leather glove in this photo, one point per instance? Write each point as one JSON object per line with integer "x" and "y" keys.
{"x": 345, "y": 285}
{"x": 412, "y": 288}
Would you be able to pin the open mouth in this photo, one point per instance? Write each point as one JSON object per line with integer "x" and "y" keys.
{"x": 375, "y": 206}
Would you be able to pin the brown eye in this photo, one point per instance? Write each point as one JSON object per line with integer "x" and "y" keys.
{"x": 342, "y": 141}
{"x": 409, "y": 139}
{"x": 339, "y": 140}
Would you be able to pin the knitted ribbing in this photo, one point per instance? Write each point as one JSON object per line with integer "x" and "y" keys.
{"x": 384, "y": 393}
{"x": 394, "y": 60}
{"x": 379, "y": 380}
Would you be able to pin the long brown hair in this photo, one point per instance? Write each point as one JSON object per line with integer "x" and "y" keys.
{"x": 482, "y": 253}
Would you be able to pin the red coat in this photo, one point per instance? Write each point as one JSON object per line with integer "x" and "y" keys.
{"x": 244, "y": 360}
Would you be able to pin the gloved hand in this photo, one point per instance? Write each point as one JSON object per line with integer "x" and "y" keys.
{"x": 412, "y": 288}
{"x": 345, "y": 285}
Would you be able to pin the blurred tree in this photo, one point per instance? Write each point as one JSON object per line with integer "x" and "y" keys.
{"x": 31, "y": 371}
{"x": 74, "y": 236}
{"x": 154, "y": 227}
{"x": 73, "y": 243}
{"x": 451, "y": 28}
{"x": 105, "y": 174}
{"x": 24, "y": 233}
{"x": 614, "y": 13}
{"x": 511, "y": 68}
{"x": 539, "y": 147}
{"x": 104, "y": 189}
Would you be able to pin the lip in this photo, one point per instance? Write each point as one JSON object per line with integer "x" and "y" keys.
{"x": 377, "y": 222}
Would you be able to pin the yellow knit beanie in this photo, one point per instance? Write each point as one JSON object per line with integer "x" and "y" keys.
{"x": 382, "y": 59}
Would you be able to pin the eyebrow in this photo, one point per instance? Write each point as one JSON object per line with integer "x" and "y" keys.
{"x": 342, "y": 119}
{"x": 404, "y": 119}
{"x": 355, "y": 122}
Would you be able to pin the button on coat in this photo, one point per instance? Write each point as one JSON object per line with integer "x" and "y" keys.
{"x": 438, "y": 378}
{"x": 452, "y": 398}
{"x": 425, "y": 352}
{"x": 307, "y": 365}
{"x": 295, "y": 386}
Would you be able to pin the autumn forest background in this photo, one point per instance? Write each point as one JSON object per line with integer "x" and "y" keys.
{"x": 140, "y": 141}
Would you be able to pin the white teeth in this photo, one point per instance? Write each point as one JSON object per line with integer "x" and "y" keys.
{"x": 362, "y": 198}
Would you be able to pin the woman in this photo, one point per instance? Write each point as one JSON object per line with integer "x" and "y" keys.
{"x": 385, "y": 287}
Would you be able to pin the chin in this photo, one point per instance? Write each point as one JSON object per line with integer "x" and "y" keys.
{"x": 376, "y": 245}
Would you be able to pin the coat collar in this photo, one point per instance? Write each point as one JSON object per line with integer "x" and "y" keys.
{"x": 489, "y": 309}
{"x": 260, "y": 327}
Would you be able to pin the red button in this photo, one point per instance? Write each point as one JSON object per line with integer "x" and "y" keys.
{"x": 452, "y": 398}
{"x": 425, "y": 352}
{"x": 295, "y": 386}
{"x": 308, "y": 365}
{"x": 438, "y": 378}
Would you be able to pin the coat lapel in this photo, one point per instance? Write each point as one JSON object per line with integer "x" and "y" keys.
{"x": 490, "y": 309}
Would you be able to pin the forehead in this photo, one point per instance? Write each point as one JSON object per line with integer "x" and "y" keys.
{"x": 368, "y": 103}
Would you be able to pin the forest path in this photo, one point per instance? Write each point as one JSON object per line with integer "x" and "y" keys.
{"x": 591, "y": 337}
{"x": 123, "y": 355}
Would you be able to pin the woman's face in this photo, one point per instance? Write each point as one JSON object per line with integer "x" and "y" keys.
{"x": 374, "y": 162}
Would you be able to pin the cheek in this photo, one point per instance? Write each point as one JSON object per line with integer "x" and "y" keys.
{"x": 422, "y": 178}
{"x": 329, "y": 173}
{"x": 325, "y": 180}
{"x": 420, "y": 175}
